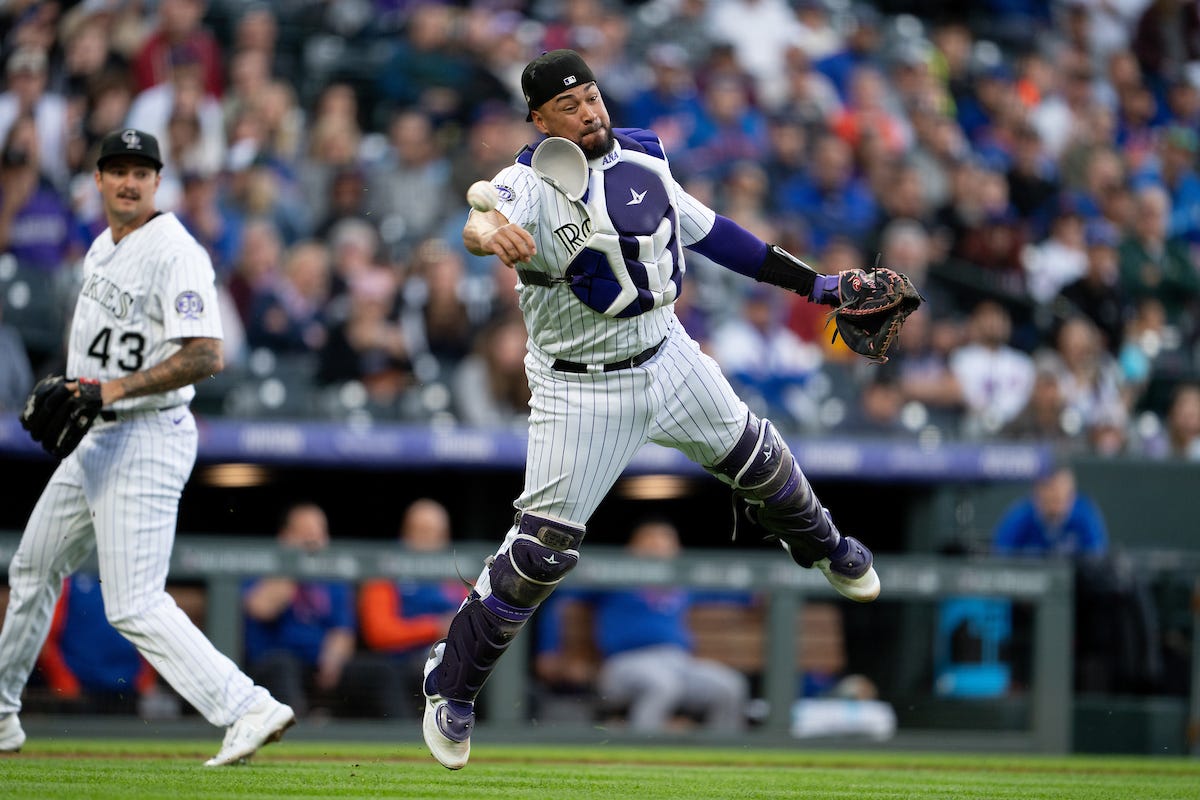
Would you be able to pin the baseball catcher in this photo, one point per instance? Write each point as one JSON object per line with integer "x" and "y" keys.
{"x": 59, "y": 412}
{"x": 870, "y": 306}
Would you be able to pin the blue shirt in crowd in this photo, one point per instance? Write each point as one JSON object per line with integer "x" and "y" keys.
{"x": 1022, "y": 531}
{"x": 317, "y": 609}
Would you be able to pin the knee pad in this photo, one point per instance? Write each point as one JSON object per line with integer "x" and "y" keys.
{"x": 765, "y": 476}
{"x": 759, "y": 465}
{"x": 537, "y": 558}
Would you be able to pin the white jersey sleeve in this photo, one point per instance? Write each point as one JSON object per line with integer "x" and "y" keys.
{"x": 695, "y": 218}
{"x": 184, "y": 294}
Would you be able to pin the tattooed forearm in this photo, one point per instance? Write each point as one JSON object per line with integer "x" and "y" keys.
{"x": 197, "y": 359}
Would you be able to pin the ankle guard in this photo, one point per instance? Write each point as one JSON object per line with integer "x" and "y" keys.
{"x": 778, "y": 498}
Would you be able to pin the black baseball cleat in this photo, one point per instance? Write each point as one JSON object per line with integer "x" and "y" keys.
{"x": 849, "y": 569}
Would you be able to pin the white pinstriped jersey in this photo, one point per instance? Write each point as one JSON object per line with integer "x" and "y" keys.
{"x": 140, "y": 296}
{"x": 559, "y": 324}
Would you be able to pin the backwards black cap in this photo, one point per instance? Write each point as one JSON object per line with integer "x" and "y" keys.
{"x": 129, "y": 142}
{"x": 551, "y": 74}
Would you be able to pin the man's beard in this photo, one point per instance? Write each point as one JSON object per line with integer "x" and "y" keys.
{"x": 602, "y": 149}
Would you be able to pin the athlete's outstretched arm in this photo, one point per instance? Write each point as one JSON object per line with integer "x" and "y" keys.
{"x": 490, "y": 233}
{"x": 196, "y": 359}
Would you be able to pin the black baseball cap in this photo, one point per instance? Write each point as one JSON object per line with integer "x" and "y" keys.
{"x": 129, "y": 142}
{"x": 551, "y": 74}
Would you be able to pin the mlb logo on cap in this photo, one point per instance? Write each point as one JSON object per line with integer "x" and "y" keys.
{"x": 129, "y": 142}
{"x": 549, "y": 74}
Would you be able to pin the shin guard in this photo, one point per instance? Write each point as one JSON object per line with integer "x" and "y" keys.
{"x": 777, "y": 497}
{"x": 536, "y": 555}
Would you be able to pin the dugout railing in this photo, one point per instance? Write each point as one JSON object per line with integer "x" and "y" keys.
{"x": 223, "y": 564}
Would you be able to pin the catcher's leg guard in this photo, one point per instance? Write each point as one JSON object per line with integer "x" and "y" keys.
{"x": 537, "y": 554}
{"x": 765, "y": 476}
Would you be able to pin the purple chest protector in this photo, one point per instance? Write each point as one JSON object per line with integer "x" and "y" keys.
{"x": 631, "y": 261}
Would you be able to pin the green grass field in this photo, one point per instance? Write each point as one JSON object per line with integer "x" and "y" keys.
{"x": 77, "y": 769}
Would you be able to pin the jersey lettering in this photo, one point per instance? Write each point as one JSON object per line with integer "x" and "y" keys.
{"x": 573, "y": 236}
{"x": 118, "y": 302}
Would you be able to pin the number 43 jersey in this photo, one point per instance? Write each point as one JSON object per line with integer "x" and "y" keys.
{"x": 140, "y": 296}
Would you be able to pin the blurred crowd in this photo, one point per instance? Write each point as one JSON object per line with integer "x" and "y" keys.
{"x": 1032, "y": 165}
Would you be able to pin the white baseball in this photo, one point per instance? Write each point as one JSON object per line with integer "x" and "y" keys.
{"x": 483, "y": 196}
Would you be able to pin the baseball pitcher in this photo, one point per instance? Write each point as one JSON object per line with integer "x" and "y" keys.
{"x": 145, "y": 329}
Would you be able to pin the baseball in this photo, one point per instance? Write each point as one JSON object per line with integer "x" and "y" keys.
{"x": 483, "y": 196}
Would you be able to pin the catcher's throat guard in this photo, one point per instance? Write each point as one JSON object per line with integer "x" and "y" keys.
{"x": 563, "y": 165}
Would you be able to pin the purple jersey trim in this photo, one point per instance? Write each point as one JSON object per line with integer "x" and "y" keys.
{"x": 733, "y": 247}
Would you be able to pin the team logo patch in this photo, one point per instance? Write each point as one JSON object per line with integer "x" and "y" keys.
{"x": 506, "y": 193}
{"x": 189, "y": 305}
{"x": 132, "y": 140}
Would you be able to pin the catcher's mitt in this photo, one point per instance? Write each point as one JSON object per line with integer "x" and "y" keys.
{"x": 873, "y": 307}
{"x": 58, "y": 417}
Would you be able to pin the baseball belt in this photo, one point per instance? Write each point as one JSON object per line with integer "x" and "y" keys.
{"x": 562, "y": 365}
{"x": 112, "y": 416}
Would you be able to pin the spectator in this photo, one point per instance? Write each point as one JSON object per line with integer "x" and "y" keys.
{"x": 867, "y": 118}
{"x": 996, "y": 378}
{"x": 489, "y": 386}
{"x": 201, "y": 213}
{"x": 646, "y": 647}
{"x": 1089, "y": 375}
{"x": 1098, "y": 294}
{"x": 1167, "y": 38}
{"x": 16, "y": 371}
{"x": 1033, "y": 180}
{"x": 1061, "y": 258}
{"x": 811, "y": 97}
{"x": 880, "y": 408}
{"x": 183, "y": 100}
{"x": 437, "y": 318}
{"x": 1116, "y": 624}
{"x": 989, "y": 237}
{"x": 333, "y": 145}
{"x": 760, "y": 31}
{"x": 368, "y": 345}
{"x": 1175, "y": 169}
{"x": 1155, "y": 264}
{"x": 830, "y": 195}
{"x": 1045, "y": 419}
{"x": 409, "y": 189}
{"x": 36, "y": 225}
{"x": 1180, "y": 438}
{"x": 670, "y": 105}
{"x": 922, "y": 367}
{"x": 256, "y": 266}
{"x": 729, "y": 129}
{"x": 767, "y": 363}
{"x": 179, "y": 25}
{"x": 87, "y": 662}
{"x": 288, "y": 314}
{"x": 403, "y": 619}
{"x": 27, "y": 95}
{"x": 300, "y": 635}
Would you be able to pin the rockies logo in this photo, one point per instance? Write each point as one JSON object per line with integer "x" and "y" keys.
{"x": 132, "y": 140}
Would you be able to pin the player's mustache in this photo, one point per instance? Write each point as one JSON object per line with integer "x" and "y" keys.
{"x": 130, "y": 195}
